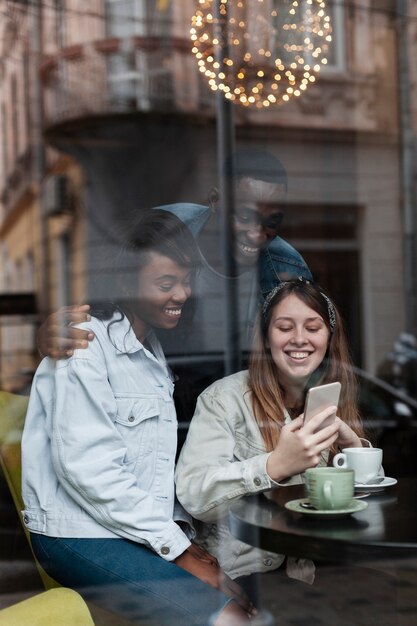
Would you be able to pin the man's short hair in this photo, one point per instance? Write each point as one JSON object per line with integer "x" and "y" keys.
{"x": 256, "y": 163}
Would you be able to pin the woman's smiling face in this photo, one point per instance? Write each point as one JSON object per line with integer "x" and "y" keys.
{"x": 164, "y": 288}
{"x": 298, "y": 338}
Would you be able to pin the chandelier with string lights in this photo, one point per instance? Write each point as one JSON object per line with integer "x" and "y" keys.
{"x": 261, "y": 53}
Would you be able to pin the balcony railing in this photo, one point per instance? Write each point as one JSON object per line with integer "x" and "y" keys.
{"x": 118, "y": 76}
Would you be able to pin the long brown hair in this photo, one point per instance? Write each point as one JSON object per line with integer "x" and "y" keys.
{"x": 267, "y": 393}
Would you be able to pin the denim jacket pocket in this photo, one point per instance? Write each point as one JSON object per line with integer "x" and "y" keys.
{"x": 136, "y": 421}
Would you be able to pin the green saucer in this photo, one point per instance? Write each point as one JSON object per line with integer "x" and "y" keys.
{"x": 354, "y": 507}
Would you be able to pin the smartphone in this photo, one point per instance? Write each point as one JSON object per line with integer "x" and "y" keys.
{"x": 319, "y": 398}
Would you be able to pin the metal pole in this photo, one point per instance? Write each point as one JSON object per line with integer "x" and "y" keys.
{"x": 406, "y": 159}
{"x": 225, "y": 150}
{"x": 39, "y": 153}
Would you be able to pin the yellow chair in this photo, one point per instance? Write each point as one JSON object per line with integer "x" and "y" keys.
{"x": 56, "y": 607}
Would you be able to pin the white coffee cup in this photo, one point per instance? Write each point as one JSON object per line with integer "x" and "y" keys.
{"x": 366, "y": 462}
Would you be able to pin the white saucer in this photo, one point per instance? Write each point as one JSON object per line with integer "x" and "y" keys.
{"x": 354, "y": 507}
{"x": 387, "y": 482}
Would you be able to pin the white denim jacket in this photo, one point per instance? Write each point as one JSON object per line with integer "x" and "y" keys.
{"x": 224, "y": 459}
{"x": 99, "y": 444}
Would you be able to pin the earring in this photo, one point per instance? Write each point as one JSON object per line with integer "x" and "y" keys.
{"x": 213, "y": 198}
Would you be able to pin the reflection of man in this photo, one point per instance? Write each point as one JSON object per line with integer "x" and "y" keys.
{"x": 260, "y": 184}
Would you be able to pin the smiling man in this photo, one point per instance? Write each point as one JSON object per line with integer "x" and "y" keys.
{"x": 257, "y": 217}
{"x": 260, "y": 190}
{"x": 262, "y": 257}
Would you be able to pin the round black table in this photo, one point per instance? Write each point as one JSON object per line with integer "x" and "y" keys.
{"x": 387, "y": 529}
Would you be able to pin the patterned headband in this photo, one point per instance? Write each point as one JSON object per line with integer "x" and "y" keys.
{"x": 271, "y": 295}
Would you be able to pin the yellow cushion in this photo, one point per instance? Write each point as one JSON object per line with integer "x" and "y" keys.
{"x": 12, "y": 418}
{"x": 12, "y": 413}
{"x": 10, "y": 454}
{"x": 56, "y": 607}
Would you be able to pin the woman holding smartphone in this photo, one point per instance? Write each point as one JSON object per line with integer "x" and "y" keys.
{"x": 247, "y": 434}
{"x": 99, "y": 450}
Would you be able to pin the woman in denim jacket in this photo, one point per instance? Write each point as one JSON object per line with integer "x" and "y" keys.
{"x": 247, "y": 434}
{"x": 99, "y": 451}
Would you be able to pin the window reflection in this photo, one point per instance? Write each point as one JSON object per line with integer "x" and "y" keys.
{"x": 105, "y": 113}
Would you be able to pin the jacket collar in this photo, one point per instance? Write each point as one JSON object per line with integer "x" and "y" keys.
{"x": 122, "y": 336}
{"x": 125, "y": 341}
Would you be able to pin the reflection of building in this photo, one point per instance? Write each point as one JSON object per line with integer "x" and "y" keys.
{"x": 122, "y": 97}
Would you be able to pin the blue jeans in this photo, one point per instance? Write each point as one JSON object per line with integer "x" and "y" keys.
{"x": 129, "y": 580}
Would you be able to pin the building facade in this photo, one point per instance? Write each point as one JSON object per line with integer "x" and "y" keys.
{"x": 104, "y": 113}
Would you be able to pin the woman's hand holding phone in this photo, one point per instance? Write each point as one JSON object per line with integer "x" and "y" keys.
{"x": 320, "y": 398}
{"x": 324, "y": 396}
{"x": 301, "y": 444}
{"x": 347, "y": 437}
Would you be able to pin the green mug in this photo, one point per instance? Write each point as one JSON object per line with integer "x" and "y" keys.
{"x": 330, "y": 488}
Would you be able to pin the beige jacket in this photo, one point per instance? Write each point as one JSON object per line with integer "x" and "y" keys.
{"x": 224, "y": 459}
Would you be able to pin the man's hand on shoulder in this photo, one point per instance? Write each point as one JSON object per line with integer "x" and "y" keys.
{"x": 57, "y": 338}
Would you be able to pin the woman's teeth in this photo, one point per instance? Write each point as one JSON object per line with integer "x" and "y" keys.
{"x": 298, "y": 355}
{"x": 174, "y": 312}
